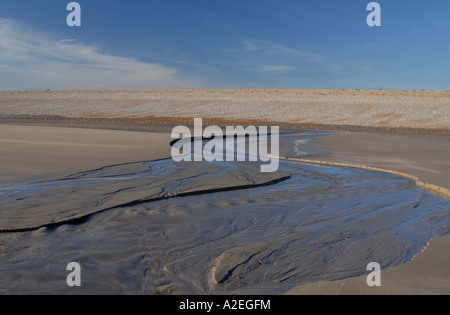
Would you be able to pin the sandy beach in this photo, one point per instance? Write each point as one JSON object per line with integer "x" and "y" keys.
{"x": 50, "y": 136}
{"x": 33, "y": 152}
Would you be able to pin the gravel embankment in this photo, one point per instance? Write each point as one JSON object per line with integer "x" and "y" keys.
{"x": 367, "y": 108}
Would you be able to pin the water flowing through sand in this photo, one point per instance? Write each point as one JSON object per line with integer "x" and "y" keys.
{"x": 303, "y": 224}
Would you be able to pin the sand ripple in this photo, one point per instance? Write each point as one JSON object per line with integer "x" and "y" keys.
{"x": 322, "y": 223}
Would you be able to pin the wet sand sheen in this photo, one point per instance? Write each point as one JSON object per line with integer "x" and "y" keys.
{"x": 30, "y": 205}
{"x": 259, "y": 240}
{"x": 235, "y": 242}
{"x": 73, "y": 199}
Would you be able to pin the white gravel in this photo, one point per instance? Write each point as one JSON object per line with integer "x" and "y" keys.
{"x": 395, "y": 109}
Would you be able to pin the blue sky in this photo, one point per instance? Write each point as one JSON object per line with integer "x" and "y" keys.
{"x": 263, "y": 44}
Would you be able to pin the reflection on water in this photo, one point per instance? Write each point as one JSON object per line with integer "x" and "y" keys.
{"x": 322, "y": 223}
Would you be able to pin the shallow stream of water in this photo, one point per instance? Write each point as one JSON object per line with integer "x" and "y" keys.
{"x": 321, "y": 223}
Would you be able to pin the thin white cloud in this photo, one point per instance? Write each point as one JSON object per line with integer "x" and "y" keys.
{"x": 271, "y": 48}
{"x": 32, "y": 60}
{"x": 266, "y": 54}
{"x": 272, "y": 69}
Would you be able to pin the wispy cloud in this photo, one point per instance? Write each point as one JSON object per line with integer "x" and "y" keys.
{"x": 298, "y": 64}
{"x": 272, "y": 69}
{"x": 270, "y": 48}
{"x": 32, "y": 60}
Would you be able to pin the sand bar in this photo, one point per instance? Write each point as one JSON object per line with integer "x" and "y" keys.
{"x": 423, "y": 156}
{"x": 33, "y": 152}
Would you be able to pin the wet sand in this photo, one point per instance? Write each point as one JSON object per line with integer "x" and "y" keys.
{"x": 423, "y": 156}
{"x": 39, "y": 152}
{"x": 65, "y": 175}
{"x": 427, "y": 274}
{"x": 47, "y": 153}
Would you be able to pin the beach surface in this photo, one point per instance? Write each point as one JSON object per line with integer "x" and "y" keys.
{"x": 424, "y": 156}
{"x": 76, "y": 169}
{"x": 427, "y": 274}
{"x": 112, "y": 131}
{"x": 37, "y": 153}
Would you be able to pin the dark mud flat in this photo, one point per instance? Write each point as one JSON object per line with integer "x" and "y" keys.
{"x": 73, "y": 199}
{"x": 209, "y": 228}
{"x": 323, "y": 223}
